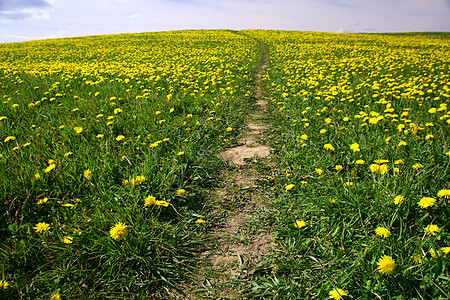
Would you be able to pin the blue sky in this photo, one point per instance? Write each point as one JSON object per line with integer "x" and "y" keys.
{"x": 22, "y": 20}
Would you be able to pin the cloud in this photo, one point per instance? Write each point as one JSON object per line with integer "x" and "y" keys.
{"x": 18, "y": 10}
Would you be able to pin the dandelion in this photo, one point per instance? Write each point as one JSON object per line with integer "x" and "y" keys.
{"x": 180, "y": 153}
{"x": 149, "y": 201}
{"x": 37, "y": 176}
{"x": 42, "y": 201}
{"x": 323, "y": 131}
{"x": 329, "y": 147}
{"x": 382, "y": 232}
{"x": 299, "y": 224}
{"x": 162, "y": 203}
{"x": 445, "y": 250}
{"x": 229, "y": 129}
{"x": 68, "y": 240}
{"x": 41, "y": 227}
{"x": 78, "y": 129}
{"x": 435, "y": 254}
{"x": 338, "y": 167}
{"x": 360, "y": 162}
{"x": 444, "y": 193}
{"x": 432, "y": 229}
{"x": 200, "y": 221}
{"x": 87, "y": 174}
{"x": 118, "y": 231}
{"x": 386, "y": 265}
{"x": 304, "y": 137}
{"x": 319, "y": 171}
{"x": 99, "y": 136}
{"x": 398, "y": 199}
{"x": 289, "y": 187}
{"x": 55, "y": 296}
{"x": 399, "y": 162}
{"x": 432, "y": 110}
{"x": 417, "y": 166}
{"x": 426, "y": 202}
{"x": 180, "y": 192}
{"x": 9, "y": 138}
{"x": 120, "y": 137}
{"x": 337, "y": 294}
{"x": 137, "y": 180}
{"x": 49, "y": 168}
{"x": 348, "y": 183}
{"x": 379, "y": 169}
{"x": 3, "y": 284}
{"x": 402, "y": 143}
{"x": 117, "y": 110}
{"x": 429, "y": 136}
{"x": 355, "y": 147}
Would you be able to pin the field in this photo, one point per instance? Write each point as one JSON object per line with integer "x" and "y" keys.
{"x": 108, "y": 153}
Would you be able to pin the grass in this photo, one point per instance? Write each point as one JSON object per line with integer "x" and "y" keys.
{"x": 91, "y": 127}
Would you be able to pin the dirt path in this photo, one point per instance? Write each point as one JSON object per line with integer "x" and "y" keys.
{"x": 240, "y": 239}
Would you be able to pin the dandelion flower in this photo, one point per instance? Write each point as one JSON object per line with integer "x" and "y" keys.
{"x": 118, "y": 231}
{"x": 68, "y": 240}
{"x": 338, "y": 167}
{"x": 200, "y": 221}
{"x": 99, "y": 136}
{"x": 304, "y": 137}
{"x": 55, "y": 296}
{"x": 9, "y": 138}
{"x": 37, "y": 176}
{"x": 426, "y": 202}
{"x": 137, "y": 180}
{"x": 180, "y": 153}
{"x": 378, "y": 169}
{"x": 360, "y": 162}
{"x": 41, "y": 227}
{"x": 329, "y": 147}
{"x": 386, "y": 265}
{"x": 120, "y": 137}
{"x": 289, "y": 187}
{"x": 434, "y": 254}
{"x": 348, "y": 183}
{"x": 3, "y": 284}
{"x": 87, "y": 174}
{"x": 299, "y": 224}
{"x": 229, "y": 129}
{"x": 180, "y": 192}
{"x": 162, "y": 203}
{"x": 417, "y": 166}
{"x": 444, "y": 193}
{"x": 319, "y": 171}
{"x": 355, "y": 147}
{"x": 323, "y": 131}
{"x": 446, "y": 250}
{"x": 49, "y": 168}
{"x": 149, "y": 201}
{"x": 432, "y": 229}
{"x": 402, "y": 143}
{"x": 429, "y": 136}
{"x": 337, "y": 294}
{"x": 383, "y": 232}
{"x": 42, "y": 201}
{"x": 398, "y": 199}
{"x": 78, "y": 129}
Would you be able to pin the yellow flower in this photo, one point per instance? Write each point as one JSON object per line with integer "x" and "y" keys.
{"x": 398, "y": 199}
{"x": 402, "y": 143}
{"x": 386, "y": 265}
{"x": 3, "y": 284}
{"x": 49, "y": 168}
{"x": 360, "y": 162}
{"x": 118, "y": 231}
{"x": 379, "y": 169}
{"x": 37, "y": 176}
{"x": 229, "y": 129}
{"x": 3, "y": 118}
{"x": 68, "y": 240}
{"x": 348, "y": 183}
{"x": 180, "y": 192}
{"x": 289, "y": 187}
{"x": 383, "y": 232}
{"x": 426, "y": 202}
{"x": 434, "y": 254}
{"x": 78, "y": 129}
{"x": 41, "y": 227}
{"x": 304, "y": 137}
{"x": 42, "y": 201}
{"x": 355, "y": 147}
{"x": 329, "y": 147}
{"x": 446, "y": 250}
{"x": 55, "y": 296}
{"x": 417, "y": 166}
{"x": 180, "y": 153}
{"x": 444, "y": 193}
{"x": 319, "y": 171}
{"x": 338, "y": 167}
{"x": 67, "y": 154}
{"x": 299, "y": 224}
{"x": 161, "y": 203}
{"x": 337, "y": 294}
{"x": 99, "y": 136}
{"x": 323, "y": 131}
{"x": 432, "y": 110}
{"x": 137, "y": 180}
{"x": 150, "y": 200}
{"x": 399, "y": 162}
{"x": 9, "y": 138}
{"x": 432, "y": 229}
{"x": 200, "y": 221}
{"x": 119, "y": 138}
{"x": 87, "y": 174}
{"x": 429, "y": 136}
{"x": 117, "y": 110}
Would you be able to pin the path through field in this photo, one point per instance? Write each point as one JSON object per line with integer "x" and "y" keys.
{"x": 240, "y": 238}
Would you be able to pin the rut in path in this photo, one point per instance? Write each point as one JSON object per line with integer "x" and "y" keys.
{"x": 241, "y": 240}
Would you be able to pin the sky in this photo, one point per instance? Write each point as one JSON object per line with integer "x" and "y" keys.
{"x": 23, "y": 20}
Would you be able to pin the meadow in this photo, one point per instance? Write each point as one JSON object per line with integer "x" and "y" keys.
{"x": 361, "y": 138}
{"x": 108, "y": 154}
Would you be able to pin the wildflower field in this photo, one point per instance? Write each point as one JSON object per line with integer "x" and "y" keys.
{"x": 107, "y": 146}
{"x": 108, "y": 153}
{"x": 362, "y": 141}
